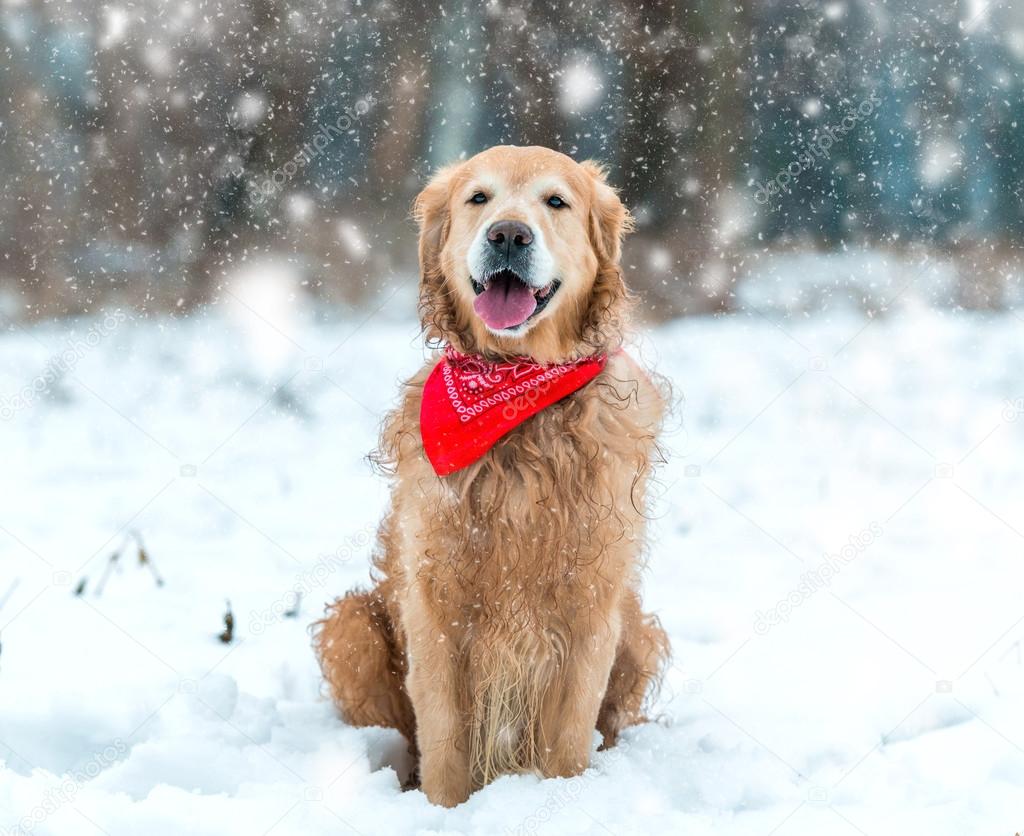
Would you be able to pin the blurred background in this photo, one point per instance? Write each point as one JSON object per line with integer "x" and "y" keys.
{"x": 148, "y": 148}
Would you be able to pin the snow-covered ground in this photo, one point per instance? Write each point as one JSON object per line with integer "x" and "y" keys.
{"x": 837, "y": 557}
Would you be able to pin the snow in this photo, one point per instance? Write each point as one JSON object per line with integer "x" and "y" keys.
{"x": 115, "y": 26}
{"x": 886, "y": 700}
{"x": 580, "y": 86}
{"x": 355, "y": 243}
{"x": 251, "y": 108}
{"x": 941, "y": 159}
{"x": 866, "y": 280}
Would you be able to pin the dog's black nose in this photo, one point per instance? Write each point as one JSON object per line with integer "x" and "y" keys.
{"x": 509, "y": 236}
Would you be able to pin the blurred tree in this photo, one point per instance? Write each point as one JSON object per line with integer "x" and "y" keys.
{"x": 148, "y": 148}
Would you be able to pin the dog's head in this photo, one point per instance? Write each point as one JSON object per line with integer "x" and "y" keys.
{"x": 519, "y": 255}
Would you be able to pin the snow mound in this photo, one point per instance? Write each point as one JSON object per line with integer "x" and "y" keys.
{"x": 835, "y": 555}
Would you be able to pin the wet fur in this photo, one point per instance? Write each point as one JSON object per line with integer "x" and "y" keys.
{"x": 504, "y": 624}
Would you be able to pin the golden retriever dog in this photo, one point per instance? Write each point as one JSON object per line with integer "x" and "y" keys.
{"x": 505, "y": 625}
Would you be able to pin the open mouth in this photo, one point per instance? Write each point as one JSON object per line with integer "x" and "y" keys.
{"x": 506, "y": 302}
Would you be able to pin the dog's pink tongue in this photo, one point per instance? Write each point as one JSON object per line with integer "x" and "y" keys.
{"x": 505, "y": 304}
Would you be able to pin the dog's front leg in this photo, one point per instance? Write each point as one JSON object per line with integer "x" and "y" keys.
{"x": 570, "y": 712}
{"x": 441, "y": 731}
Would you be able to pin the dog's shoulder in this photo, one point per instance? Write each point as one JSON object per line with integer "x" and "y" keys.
{"x": 637, "y": 388}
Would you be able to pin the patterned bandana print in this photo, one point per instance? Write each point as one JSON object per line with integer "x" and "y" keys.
{"x": 469, "y": 402}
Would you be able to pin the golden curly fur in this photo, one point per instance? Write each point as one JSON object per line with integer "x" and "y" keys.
{"x": 505, "y": 624}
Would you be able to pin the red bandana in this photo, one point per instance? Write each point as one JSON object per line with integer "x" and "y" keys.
{"x": 469, "y": 402}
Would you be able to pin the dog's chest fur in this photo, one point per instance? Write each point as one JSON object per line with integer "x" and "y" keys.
{"x": 539, "y": 532}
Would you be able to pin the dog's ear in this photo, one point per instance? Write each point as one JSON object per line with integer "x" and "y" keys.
{"x": 609, "y": 218}
{"x": 430, "y": 211}
{"x": 604, "y": 319}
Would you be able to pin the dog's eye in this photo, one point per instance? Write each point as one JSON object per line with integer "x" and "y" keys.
{"x": 479, "y": 197}
{"x": 555, "y": 202}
